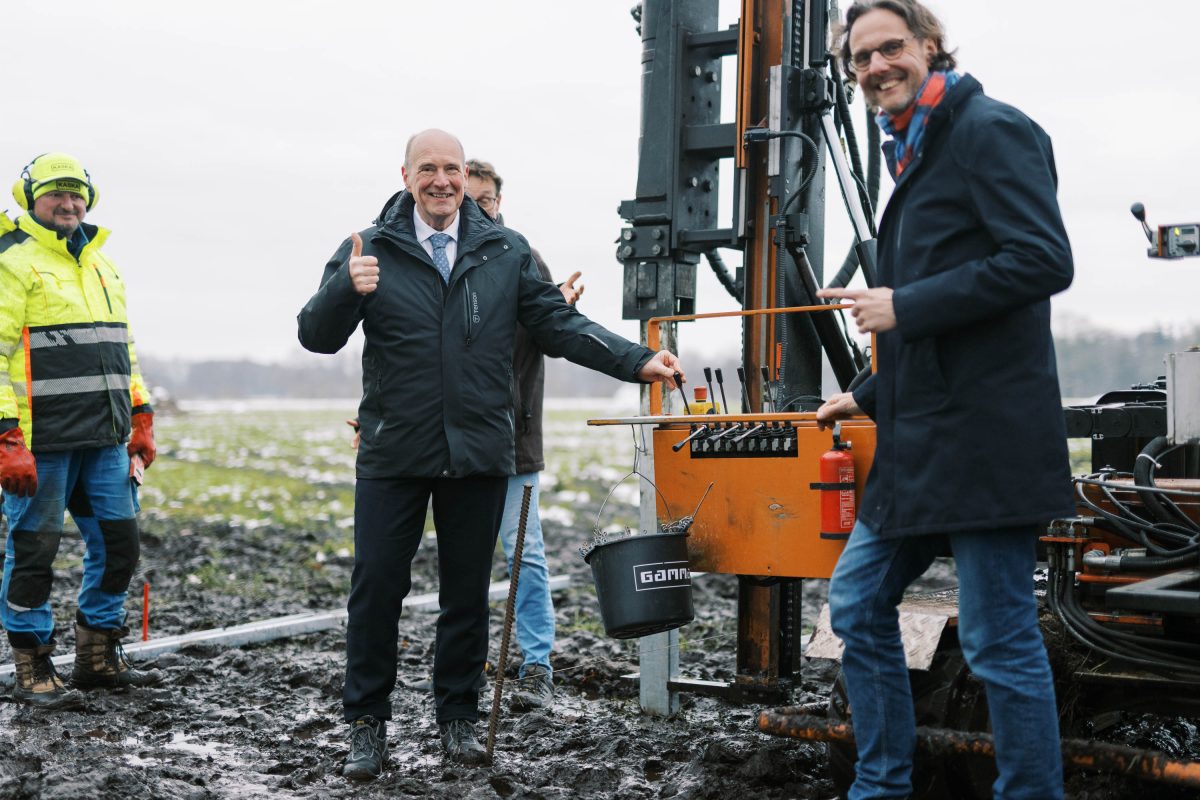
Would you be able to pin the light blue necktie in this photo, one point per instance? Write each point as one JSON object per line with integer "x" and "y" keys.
{"x": 439, "y": 242}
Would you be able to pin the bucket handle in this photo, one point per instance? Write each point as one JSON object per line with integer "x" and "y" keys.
{"x": 631, "y": 473}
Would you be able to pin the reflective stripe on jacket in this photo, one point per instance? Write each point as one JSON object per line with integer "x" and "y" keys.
{"x": 68, "y": 371}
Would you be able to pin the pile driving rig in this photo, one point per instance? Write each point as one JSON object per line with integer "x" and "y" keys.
{"x": 1122, "y": 577}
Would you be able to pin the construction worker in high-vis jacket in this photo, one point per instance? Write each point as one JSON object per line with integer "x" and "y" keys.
{"x": 76, "y": 431}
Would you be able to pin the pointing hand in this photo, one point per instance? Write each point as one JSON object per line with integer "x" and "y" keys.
{"x": 873, "y": 309}
{"x": 571, "y": 292}
{"x": 364, "y": 270}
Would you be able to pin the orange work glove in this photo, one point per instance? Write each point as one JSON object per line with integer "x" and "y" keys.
{"x": 141, "y": 439}
{"x": 18, "y": 470}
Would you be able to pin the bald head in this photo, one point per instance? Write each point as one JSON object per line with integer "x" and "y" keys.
{"x": 435, "y": 173}
{"x": 422, "y": 138}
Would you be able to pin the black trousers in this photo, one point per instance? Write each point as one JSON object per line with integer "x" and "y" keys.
{"x": 389, "y": 520}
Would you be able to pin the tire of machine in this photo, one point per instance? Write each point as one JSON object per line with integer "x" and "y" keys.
{"x": 945, "y": 695}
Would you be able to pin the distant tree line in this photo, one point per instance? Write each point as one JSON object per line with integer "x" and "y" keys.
{"x": 1090, "y": 361}
{"x": 318, "y": 378}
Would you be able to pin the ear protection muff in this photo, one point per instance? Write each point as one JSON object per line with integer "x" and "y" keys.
{"x": 67, "y": 168}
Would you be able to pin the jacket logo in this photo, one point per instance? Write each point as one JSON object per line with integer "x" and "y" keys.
{"x": 475, "y": 307}
{"x": 663, "y": 575}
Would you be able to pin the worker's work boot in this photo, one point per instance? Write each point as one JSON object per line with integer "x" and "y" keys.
{"x": 460, "y": 743}
{"x": 38, "y": 682}
{"x": 368, "y": 749}
{"x": 100, "y": 660}
{"x": 534, "y": 690}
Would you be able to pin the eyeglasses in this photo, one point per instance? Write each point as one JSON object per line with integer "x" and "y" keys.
{"x": 485, "y": 202}
{"x": 890, "y": 50}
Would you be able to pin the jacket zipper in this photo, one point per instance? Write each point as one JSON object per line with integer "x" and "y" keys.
{"x": 104, "y": 286}
{"x": 467, "y": 306}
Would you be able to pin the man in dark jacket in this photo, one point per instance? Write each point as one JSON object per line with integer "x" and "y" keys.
{"x": 439, "y": 289}
{"x": 971, "y": 445}
{"x": 534, "y": 609}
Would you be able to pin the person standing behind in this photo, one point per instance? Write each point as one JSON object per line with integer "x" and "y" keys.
{"x": 971, "y": 445}
{"x": 72, "y": 394}
{"x": 439, "y": 289}
{"x": 534, "y": 609}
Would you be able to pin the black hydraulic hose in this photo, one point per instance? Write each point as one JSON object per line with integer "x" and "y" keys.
{"x": 1155, "y": 563}
{"x": 874, "y": 159}
{"x": 1136, "y": 529}
{"x": 1143, "y": 477}
{"x": 1130, "y": 645}
{"x": 1090, "y": 633}
{"x": 863, "y": 374}
{"x": 722, "y": 272}
{"x": 1146, "y": 529}
{"x": 843, "y": 109}
{"x": 810, "y": 170}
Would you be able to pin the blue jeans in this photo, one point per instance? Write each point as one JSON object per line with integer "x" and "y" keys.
{"x": 1000, "y": 639}
{"x": 534, "y": 611}
{"x": 94, "y": 484}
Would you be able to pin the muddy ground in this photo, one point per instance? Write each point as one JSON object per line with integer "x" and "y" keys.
{"x": 264, "y": 721}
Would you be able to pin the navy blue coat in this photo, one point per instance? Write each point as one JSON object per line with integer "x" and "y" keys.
{"x": 966, "y": 399}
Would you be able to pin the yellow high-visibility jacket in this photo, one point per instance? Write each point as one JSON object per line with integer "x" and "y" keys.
{"x": 68, "y": 371}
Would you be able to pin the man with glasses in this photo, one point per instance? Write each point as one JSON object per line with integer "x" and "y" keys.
{"x": 534, "y": 610}
{"x": 971, "y": 448}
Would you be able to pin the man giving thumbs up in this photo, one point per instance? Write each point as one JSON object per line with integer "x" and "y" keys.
{"x": 439, "y": 289}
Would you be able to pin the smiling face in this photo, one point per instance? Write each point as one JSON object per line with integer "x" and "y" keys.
{"x": 890, "y": 84}
{"x": 60, "y": 211}
{"x": 436, "y": 175}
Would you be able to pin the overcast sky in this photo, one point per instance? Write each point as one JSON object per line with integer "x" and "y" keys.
{"x": 235, "y": 144}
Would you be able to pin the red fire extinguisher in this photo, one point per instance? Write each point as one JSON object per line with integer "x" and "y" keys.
{"x": 837, "y": 489}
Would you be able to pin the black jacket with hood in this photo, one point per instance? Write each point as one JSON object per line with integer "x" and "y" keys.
{"x": 438, "y": 359}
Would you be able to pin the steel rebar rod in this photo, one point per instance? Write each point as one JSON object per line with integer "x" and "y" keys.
{"x": 502, "y": 660}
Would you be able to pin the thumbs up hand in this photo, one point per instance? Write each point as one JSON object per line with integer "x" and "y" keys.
{"x": 364, "y": 270}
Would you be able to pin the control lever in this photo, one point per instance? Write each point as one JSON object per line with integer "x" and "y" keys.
{"x": 1169, "y": 241}
{"x": 766, "y": 376}
{"x": 679, "y": 385}
{"x": 712, "y": 396}
{"x": 726, "y": 432}
{"x": 721, "y": 386}
{"x": 1139, "y": 213}
{"x": 683, "y": 443}
{"x": 755, "y": 429}
{"x": 741, "y": 372}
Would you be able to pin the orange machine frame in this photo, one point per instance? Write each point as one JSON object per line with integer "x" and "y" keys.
{"x": 762, "y": 517}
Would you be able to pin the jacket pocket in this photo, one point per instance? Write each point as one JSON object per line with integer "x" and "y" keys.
{"x": 920, "y": 383}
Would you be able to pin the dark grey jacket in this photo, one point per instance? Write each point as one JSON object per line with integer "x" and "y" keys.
{"x": 438, "y": 360}
{"x": 529, "y": 370}
{"x": 966, "y": 399}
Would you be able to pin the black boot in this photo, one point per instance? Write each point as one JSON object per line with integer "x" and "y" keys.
{"x": 368, "y": 749}
{"x": 534, "y": 690}
{"x": 38, "y": 682}
{"x": 100, "y": 660}
{"x": 460, "y": 743}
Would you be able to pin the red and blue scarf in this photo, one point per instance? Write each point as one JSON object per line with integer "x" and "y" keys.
{"x": 908, "y": 127}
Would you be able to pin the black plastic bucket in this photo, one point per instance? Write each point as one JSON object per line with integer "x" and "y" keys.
{"x": 643, "y": 584}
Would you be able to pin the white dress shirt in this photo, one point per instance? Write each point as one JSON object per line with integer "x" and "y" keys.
{"x": 424, "y": 231}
